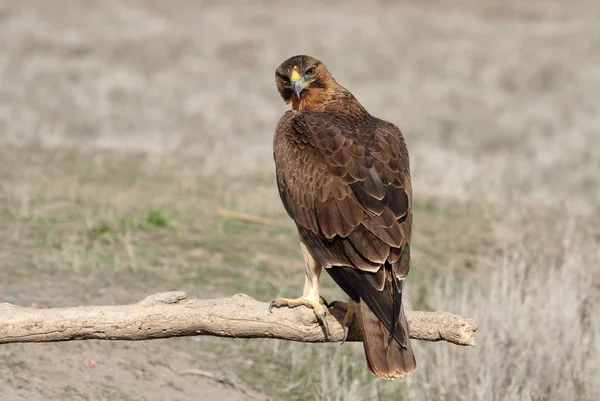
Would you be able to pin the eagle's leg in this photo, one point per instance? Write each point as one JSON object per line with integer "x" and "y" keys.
{"x": 310, "y": 296}
{"x": 350, "y": 308}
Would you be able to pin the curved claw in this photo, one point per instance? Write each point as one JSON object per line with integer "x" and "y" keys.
{"x": 346, "y": 331}
{"x": 316, "y": 305}
{"x": 349, "y": 307}
{"x": 323, "y": 319}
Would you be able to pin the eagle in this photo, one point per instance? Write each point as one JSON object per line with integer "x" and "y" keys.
{"x": 343, "y": 176}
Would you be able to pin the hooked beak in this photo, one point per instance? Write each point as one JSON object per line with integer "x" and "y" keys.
{"x": 297, "y": 83}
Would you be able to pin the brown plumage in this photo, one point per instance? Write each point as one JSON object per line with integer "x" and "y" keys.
{"x": 343, "y": 176}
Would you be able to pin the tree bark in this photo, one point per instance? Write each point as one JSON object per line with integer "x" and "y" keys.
{"x": 172, "y": 314}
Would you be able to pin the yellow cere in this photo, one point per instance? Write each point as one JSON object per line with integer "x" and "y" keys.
{"x": 295, "y": 76}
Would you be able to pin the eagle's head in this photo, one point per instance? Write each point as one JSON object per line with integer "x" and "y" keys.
{"x": 304, "y": 81}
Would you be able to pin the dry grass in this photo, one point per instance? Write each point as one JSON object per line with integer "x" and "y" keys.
{"x": 125, "y": 125}
{"x": 539, "y": 339}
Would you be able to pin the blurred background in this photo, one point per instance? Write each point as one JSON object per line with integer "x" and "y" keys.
{"x": 125, "y": 125}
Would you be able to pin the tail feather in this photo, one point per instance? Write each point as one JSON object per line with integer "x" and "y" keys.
{"x": 387, "y": 359}
{"x": 380, "y": 314}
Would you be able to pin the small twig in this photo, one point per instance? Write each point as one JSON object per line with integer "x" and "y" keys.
{"x": 248, "y": 218}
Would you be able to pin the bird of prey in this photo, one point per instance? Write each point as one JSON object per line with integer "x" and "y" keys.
{"x": 343, "y": 176}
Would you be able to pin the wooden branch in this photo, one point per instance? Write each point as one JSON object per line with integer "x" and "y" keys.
{"x": 172, "y": 314}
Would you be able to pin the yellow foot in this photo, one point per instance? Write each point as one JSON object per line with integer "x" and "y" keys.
{"x": 350, "y": 308}
{"x": 316, "y": 305}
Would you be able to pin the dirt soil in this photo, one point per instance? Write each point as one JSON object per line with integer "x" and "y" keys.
{"x": 101, "y": 370}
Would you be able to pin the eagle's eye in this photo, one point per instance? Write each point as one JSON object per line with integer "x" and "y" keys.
{"x": 284, "y": 78}
{"x": 311, "y": 71}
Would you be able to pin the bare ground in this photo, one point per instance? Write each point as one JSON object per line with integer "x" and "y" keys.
{"x": 124, "y": 125}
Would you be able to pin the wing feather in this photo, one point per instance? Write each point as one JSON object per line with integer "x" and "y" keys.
{"x": 350, "y": 210}
{"x": 369, "y": 245}
{"x": 345, "y": 182}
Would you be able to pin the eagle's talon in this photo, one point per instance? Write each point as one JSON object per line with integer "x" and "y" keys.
{"x": 349, "y": 307}
{"x": 317, "y": 306}
{"x": 346, "y": 331}
{"x": 323, "y": 319}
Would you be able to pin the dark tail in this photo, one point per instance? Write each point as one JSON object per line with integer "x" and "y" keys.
{"x": 386, "y": 357}
{"x": 380, "y": 313}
